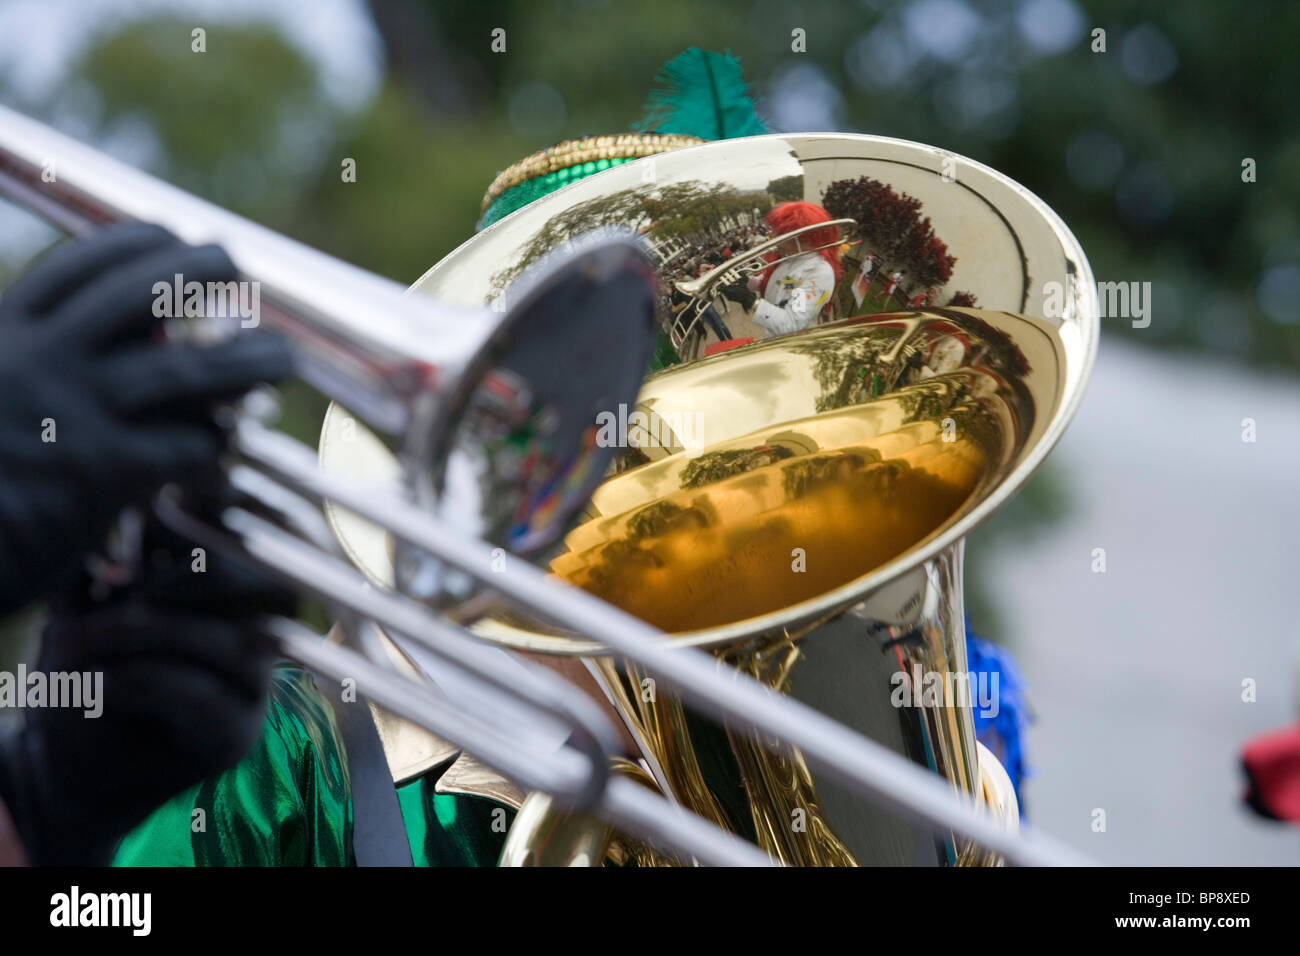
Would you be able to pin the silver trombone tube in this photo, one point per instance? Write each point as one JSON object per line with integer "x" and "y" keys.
{"x": 450, "y": 383}
{"x": 577, "y": 774}
{"x": 672, "y": 828}
{"x": 361, "y": 338}
{"x": 854, "y": 761}
{"x": 623, "y": 803}
{"x": 546, "y": 693}
{"x": 508, "y": 746}
{"x": 549, "y": 697}
{"x": 406, "y": 699}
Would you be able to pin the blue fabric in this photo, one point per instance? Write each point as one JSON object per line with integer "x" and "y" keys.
{"x": 1002, "y": 733}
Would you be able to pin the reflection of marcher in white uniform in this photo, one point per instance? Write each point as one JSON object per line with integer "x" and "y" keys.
{"x": 796, "y": 292}
{"x": 792, "y": 294}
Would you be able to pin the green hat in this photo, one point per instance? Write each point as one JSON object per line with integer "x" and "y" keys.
{"x": 697, "y": 96}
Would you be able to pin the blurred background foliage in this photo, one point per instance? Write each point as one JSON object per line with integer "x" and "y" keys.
{"x": 1139, "y": 148}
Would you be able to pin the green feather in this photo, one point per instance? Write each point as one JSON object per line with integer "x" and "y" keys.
{"x": 699, "y": 93}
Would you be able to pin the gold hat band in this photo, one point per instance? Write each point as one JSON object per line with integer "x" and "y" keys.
{"x": 573, "y": 152}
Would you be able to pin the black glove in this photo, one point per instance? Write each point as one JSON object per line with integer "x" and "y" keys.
{"x": 80, "y": 364}
{"x": 740, "y": 293}
{"x": 185, "y": 674}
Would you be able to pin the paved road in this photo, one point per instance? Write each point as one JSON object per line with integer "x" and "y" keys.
{"x": 1136, "y": 674}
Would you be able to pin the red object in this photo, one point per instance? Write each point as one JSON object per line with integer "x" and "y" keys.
{"x": 717, "y": 347}
{"x": 1272, "y": 764}
{"x": 795, "y": 215}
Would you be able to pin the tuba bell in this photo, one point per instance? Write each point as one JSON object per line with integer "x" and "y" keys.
{"x": 795, "y": 504}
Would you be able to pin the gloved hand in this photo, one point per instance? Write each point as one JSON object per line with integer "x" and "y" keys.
{"x": 95, "y": 412}
{"x": 183, "y": 697}
{"x": 740, "y": 293}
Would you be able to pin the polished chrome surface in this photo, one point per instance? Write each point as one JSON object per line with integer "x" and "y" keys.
{"x": 490, "y": 428}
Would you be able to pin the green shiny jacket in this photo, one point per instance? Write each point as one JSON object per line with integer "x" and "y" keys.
{"x": 288, "y": 803}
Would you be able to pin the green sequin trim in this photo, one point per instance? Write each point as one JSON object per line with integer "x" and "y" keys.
{"x": 521, "y": 194}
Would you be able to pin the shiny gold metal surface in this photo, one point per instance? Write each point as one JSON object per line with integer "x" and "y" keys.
{"x": 798, "y": 504}
{"x": 823, "y": 456}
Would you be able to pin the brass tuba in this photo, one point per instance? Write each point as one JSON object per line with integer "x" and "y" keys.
{"x": 797, "y": 504}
